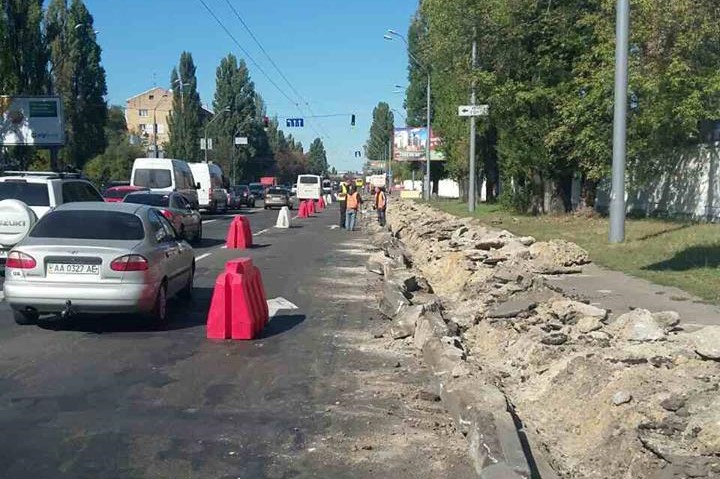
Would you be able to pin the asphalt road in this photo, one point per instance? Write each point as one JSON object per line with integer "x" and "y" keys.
{"x": 112, "y": 397}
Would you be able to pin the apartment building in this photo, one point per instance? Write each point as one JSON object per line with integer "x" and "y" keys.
{"x": 147, "y": 117}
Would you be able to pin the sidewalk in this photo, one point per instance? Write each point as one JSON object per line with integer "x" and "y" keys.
{"x": 621, "y": 293}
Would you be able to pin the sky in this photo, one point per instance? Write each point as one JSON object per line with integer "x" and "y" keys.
{"x": 332, "y": 51}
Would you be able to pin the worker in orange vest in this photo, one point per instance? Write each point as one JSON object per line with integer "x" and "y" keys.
{"x": 381, "y": 204}
{"x": 353, "y": 202}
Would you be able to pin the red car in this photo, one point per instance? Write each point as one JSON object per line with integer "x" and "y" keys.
{"x": 116, "y": 194}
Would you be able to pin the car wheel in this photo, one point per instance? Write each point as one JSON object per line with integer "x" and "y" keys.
{"x": 187, "y": 291}
{"x": 25, "y": 318}
{"x": 159, "y": 312}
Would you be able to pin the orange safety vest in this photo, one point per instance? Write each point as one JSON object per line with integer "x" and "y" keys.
{"x": 381, "y": 200}
{"x": 352, "y": 201}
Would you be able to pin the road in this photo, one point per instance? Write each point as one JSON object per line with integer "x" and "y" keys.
{"x": 316, "y": 396}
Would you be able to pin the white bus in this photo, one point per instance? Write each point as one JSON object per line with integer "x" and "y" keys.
{"x": 309, "y": 187}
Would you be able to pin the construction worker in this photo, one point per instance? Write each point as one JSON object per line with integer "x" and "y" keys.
{"x": 342, "y": 197}
{"x": 353, "y": 202}
{"x": 381, "y": 204}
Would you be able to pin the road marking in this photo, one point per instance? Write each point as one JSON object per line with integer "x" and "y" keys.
{"x": 205, "y": 222}
{"x": 277, "y": 304}
{"x": 261, "y": 232}
{"x": 202, "y": 256}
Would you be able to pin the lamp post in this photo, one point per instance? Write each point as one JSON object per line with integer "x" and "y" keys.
{"x": 390, "y": 35}
{"x": 155, "y": 125}
{"x": 217, "y": 115}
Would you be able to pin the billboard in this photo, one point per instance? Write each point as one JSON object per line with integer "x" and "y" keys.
{"x": 409, "y": 145}
{"x": 31, "y": 121}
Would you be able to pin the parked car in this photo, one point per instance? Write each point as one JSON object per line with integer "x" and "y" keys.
{"x": 258, "y": 190}
{"x": 115, "y": 194}
{"x": 166, "y": 175}
{"x": 211, "y": 196}
{"x": 98, "y": 258}
{"x": 277, "y": 198}
{"x": 178, "y": 211}
{"x": 27, "y": 196}
{"x": 245, "y": 195}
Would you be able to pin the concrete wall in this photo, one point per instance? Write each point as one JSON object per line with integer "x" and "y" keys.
{"x": 691, "y": 188}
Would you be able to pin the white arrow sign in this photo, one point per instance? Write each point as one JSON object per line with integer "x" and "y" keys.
{"x": 473, "y": 110}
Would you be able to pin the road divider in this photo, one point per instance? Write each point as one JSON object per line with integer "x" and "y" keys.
{"x": 283, "y": 220}
{"x": 239, "y": 308}
{"x": 321, "y": 204}
{"x": 303, "y": 210}
{"x": 239, "y": 235}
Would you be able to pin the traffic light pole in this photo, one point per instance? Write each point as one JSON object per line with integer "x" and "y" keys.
{"x": 617, "y": 195}
{"x": 473, "y": 134}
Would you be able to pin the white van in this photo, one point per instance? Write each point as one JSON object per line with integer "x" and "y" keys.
{"x": 211, "y": 195}
{"x": 165, "y": 175}
{"x": 309, "y": 187}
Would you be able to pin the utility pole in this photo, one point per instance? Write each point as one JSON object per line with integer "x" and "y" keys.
{"x": 427, "y": 144}
{"x": 617, "y": 195}
{"x": 473, "y": 130}
{"x": 390, "y": 155}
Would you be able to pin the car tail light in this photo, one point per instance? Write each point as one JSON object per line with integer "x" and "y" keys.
{"x": 131, "y": 262}
{"x": 167, "y": 214}
{"x": 18, "y": 260}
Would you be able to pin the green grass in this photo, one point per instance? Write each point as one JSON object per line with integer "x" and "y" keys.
{"x": 681, "y": 254}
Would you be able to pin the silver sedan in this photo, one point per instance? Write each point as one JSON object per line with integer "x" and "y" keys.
{"x": 98, "y": 258}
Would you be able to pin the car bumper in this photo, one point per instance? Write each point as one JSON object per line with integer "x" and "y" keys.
{"x": 48, "y": 298}
{"x": 276, "y": 203}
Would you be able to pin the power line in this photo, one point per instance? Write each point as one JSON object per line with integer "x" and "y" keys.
{"x": 277, "y": 68}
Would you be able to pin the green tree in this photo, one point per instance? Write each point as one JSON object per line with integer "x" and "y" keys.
{"x": 317, "y": 158}
{"x": 416, "y": 93}
{"x": 185, "y": 121}
{"x": 381, "y": 132}
{"x": 79, "y": 78}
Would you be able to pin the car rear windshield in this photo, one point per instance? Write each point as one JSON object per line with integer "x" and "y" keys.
{"x": 148, "y": 199}
{"x": 89, "y": 225}
{"x": 309, "y": 180}
{"x": 150, "y": 178}
{"x": 32, "y": 194}
{"x": 111, "y": 193}
{"x": 277, "y": 191}
{"x": 256, "y": 186}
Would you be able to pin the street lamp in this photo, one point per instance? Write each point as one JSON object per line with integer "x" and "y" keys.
{"x": 391, "y": 35}
{"x": 217, "y": 115}
{"x": 155, "y": 126}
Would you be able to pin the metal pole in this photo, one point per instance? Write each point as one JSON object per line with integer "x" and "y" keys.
{"x": 155, "y": 132}
{"x": 473, "y": 134}
{"x": 427, "y": 144}
{"x": 206, "y": 143}
{"x": 617, "y": 195}
{"x": 390, "y": 155}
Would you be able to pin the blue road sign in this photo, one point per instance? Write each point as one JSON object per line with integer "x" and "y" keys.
{"x": 295, "y": 122}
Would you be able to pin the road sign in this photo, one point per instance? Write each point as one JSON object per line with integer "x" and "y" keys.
{"x": 204, "y": 147}
{"x": 473, "y": 110}
{"x": 241, "y": 140}
{"x": 295, "y": 123}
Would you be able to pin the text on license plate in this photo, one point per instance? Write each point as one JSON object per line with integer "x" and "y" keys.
{"x": 66, "y": 268}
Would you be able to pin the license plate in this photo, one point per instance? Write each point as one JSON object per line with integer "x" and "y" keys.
{"x": 3, "y": 253}
{"x": 73, "y": 269}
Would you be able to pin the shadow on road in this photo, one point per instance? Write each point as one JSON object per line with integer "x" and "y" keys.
{"x": 210, "y": 242}
{"x": 281, "y": 324}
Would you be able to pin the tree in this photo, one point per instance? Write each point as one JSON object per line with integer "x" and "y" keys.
{"x": 115, "y": 163}
{"x": 416, "y": 93}
{"x": 317, "y": 158}
{"x": 23, "y": 61}
{"x": 78, "y": 77}
{"x": 381, "y": 132}
{"x": 185, "y": 121}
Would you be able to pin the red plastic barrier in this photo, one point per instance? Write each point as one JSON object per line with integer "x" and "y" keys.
{"x": 321, "y": 204}
{"x": 238, "y": 309}
{"x": 302, "y": 210}
{"x": 311, "y": 205}
{"x": 239, "y": 234}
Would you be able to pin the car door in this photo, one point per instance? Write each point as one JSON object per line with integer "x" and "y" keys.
{"x": 181, "y": 207}
{"x": 169, "y": 249}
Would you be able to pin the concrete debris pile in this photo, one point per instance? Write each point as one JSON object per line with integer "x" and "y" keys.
{"x": 595, "y": 396}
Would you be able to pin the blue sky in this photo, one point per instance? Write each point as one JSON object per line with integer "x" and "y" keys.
{"x": 332, "y": 51}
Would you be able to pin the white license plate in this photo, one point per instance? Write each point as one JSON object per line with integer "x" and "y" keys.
{"x": 73, "y": 269}
{"x": 4, "y": 253}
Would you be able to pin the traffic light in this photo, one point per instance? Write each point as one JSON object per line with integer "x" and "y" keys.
{"x": 352, "y": 120}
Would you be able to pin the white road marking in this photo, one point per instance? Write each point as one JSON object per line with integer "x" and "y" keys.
{"x": 202, "y": 256}
{"x": 205, "y": 222}
{"x": 261, "y": 232}
{"x": 277, "y": 304}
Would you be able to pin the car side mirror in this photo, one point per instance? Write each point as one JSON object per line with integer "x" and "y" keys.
{"x": 197, "y": 186}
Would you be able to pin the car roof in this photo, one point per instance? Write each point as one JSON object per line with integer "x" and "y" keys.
{"x": 101, "y": 206}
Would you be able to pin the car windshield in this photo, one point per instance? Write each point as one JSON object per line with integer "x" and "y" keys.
{"x": 89, "y": 225}
{"x": 148, "y": 199}
{"x": 150, "y": 178}
{"x": 32, "y": 194}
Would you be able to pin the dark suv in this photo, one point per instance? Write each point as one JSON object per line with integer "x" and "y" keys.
{"x": 246, "y": 198}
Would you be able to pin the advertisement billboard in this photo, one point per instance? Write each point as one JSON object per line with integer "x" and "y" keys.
{"x": 409, "y": 145}
{"x": 31, "y": 121}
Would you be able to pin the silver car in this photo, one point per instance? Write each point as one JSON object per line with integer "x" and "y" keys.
{"x": 98, "y": 258}
{"x": 277, "y": 197}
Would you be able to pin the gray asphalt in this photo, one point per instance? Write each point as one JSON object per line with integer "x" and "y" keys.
{"x": 112, "y": 397}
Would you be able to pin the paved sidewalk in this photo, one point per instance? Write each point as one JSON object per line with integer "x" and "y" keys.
{"x": 620, "y": 293}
